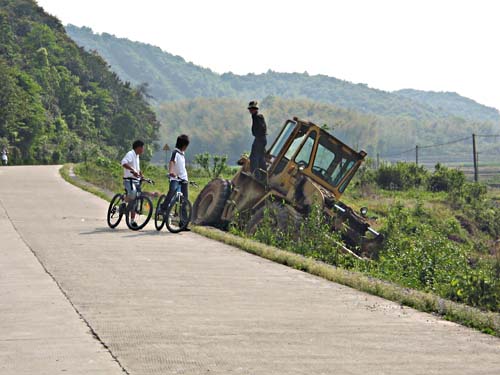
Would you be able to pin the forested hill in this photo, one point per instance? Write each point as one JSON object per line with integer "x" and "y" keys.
{"x": 222, "y": 126}
{"x": 451, "y": 102}
{"x": 171, "y": 77}
{"x": 58, "y": 102}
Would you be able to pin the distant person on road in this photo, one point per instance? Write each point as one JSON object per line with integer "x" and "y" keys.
{"x": 177, "y": 172}
{"x": 259, "y": 131}
{"x": 132, "y": 174}
{"x": 5, "y": 158}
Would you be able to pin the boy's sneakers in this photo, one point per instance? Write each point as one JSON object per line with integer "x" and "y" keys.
{"x": 133, "y": 224}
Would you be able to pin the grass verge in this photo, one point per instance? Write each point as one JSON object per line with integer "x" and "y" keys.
{"x": 68, "y": 175}
{"x": 486, "y": 322}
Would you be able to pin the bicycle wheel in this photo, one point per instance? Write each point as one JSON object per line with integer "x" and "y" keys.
{"x": 143, "y": 209}
{"x": 159, "y": 213}
{"x": 115, "y": 210}
{"x": 178, "y": 215}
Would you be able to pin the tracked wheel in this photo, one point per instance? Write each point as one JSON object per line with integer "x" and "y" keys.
{"x": 208, "y": 207}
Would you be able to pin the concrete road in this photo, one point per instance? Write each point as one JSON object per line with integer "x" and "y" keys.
{"x": 183, "y": 304}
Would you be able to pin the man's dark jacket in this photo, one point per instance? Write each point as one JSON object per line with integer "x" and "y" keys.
{"x": 259, "y": 126}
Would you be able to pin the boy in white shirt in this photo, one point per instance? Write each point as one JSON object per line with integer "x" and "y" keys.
{"x": 177, "y": 171}
{"x": 132, "y": 174}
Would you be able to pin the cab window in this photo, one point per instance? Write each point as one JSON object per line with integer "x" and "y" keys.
{"x": 297, "y": 141}
{"x": 304, "y": 155}
{"x": 283, "y": 137}
{"x": 325, "y": 158}
{"x": 331, "y": 164}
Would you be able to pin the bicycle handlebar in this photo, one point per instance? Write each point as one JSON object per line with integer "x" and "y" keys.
{"x": 182, "y": 181}
{"x": 148, "y": 180}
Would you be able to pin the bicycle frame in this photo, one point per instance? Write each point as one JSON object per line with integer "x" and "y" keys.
{"x": 132, "y": 204}
{"x": 178, "y": 191}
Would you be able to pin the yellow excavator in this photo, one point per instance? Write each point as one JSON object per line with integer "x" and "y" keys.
{"x": 306, "y": 165}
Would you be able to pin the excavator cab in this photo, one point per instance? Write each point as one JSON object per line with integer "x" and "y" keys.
{"x": 306, "y": 148}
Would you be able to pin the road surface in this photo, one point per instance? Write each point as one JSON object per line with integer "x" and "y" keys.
{"x": 79, "y": 298}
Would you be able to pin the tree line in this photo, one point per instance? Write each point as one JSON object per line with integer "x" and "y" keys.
{"x": 222, "y": 126}
{"x": 58, "y": 102}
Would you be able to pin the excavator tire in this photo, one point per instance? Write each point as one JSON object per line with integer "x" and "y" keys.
{"x": 284, "y": 218}
{"x": 207, "y": 208}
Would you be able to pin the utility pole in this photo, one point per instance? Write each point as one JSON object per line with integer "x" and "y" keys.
{"x": 474, "y": 156}
{"x": 416, "y": 155}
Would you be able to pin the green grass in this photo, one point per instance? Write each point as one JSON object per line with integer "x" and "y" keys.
{"x": 82, "y": 184}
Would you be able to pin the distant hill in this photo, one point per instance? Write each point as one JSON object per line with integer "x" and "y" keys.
{"x": 58, "y": 102}
{"x": 170, "y": 78}
{"x": 222, "y": 126}
{"x": 451, "y": 102}
{"x": 211, "y": 107}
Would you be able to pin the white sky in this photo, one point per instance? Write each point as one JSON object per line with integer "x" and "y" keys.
{"x": 439, "y": 45}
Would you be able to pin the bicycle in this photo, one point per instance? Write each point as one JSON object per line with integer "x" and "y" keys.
{"x": 141, "y": 205}
{"x": 178, "y": 214}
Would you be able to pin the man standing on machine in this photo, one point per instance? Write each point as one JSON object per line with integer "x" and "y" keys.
{"x": 259, "y": 131}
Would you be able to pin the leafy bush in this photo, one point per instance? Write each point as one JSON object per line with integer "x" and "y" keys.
{"x": 401, "y": 176}
{"x": 446, "y": 179}
{"x": 482, "y": 212}
{"x": 365, "y": 177}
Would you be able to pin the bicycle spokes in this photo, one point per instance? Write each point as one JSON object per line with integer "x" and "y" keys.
{"x": 139, "y": 212}
{"x": 174, "y": 217}
{"x": 115, "y": 211}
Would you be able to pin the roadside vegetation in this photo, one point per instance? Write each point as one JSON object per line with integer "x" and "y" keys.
{"x": 442, "y": 232}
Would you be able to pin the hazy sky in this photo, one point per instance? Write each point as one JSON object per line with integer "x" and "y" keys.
{"x": 439, "y": 45}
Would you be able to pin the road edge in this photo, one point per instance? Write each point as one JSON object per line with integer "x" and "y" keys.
{"x": 486, "y": 322}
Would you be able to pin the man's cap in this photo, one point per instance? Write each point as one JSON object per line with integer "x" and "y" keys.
{"x": 254, "y": 104}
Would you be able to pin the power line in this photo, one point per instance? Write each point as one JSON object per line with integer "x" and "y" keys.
{"x": 446, "y": 143}
{"x": 428, "y": 146}
{"x": 398, "y": 154}
{"x": 488, "y": 135}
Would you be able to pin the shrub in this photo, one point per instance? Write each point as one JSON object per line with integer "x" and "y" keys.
{"x": 218, "y": 166}
{"x": 401, "y": 176}
{"x": 445, "y": 179}
{"x": 365, "y": 177}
